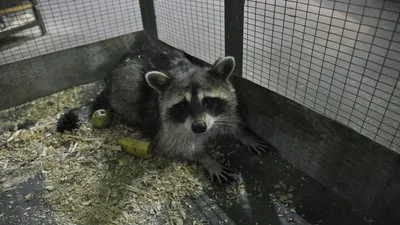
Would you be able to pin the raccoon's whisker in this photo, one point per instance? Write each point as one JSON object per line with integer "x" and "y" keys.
{"x": 230, "y": 118}
{"x": 222, "y": 122}
{"x": 224, "y": 125}
{"x": 226, "y": 119}
{"x": 231, "y": 123}
{"x": 219, "y": 123}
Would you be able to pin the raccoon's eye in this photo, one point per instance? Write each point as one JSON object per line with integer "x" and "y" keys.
{"x": 208, "y": 102}
{"x": 181, "y": 105}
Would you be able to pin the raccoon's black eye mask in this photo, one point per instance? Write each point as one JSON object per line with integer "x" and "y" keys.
{"x": 215, "y": 106}
{"x": 179, "y": 111}
{"x": 210, "y": 102}
{"x": 182, "y": 105}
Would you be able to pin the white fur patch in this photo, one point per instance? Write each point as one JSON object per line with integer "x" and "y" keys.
{"x": 188, "y": 96}
{"x": 188, "y": 124}
{"x": 216, "y": 94}
{"x": 172, "y": 101}
{"x": 200, "y": 95}
{"x": 209, "y": 121}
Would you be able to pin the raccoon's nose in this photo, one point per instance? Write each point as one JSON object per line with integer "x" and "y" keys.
{"x": 199, "y": 126}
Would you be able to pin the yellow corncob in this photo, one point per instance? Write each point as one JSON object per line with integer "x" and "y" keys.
{"x": 136, "y": 147}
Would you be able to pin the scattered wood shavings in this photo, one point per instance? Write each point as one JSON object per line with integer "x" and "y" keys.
{"x": 82, "y": 138}
{"x": 112, "y": 147}
{"x": 49, "y": 188}
{"x": 283, "y": 194}
{"x": 135, "y": 190}
{"x": 28, "y": 113}
{"x": 28, "y": 197}
{"x": 89, "y": 180}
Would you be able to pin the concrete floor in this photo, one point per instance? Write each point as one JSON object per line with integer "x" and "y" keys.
{"x": 269, "y": 174}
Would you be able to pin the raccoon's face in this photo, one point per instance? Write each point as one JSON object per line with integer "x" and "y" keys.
{"x": 198, "y": 99}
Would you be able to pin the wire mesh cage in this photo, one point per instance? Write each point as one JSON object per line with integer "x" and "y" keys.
{"x": 68, "y": 23}
{"x": 340, "y": 58}
{"x": 195, "y": 26}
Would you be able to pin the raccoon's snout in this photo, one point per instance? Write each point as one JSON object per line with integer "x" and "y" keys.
{"x": 199, "y": 126}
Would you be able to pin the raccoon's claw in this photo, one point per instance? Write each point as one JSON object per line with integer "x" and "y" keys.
{"x": 223, "y": 176}
{"x": 260, "y": 147}
{"x": 215, "y": 170}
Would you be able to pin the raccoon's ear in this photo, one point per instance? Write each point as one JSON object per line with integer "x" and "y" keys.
{"x": 157, "y": 80}
{"x": 224, "y": 67}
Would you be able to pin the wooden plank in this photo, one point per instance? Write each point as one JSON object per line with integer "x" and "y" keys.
{"x": 18, "y": 29}
{"x": 6, "y": 11}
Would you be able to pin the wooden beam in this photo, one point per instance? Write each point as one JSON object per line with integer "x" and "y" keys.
{"x": 18, "y": 8}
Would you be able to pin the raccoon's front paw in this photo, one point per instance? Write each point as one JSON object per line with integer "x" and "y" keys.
{"x": 216, "y": 170}
{"x": 255, "y": 146}
{"x": 220, "y": 173}
{"x": 260, "y": 147}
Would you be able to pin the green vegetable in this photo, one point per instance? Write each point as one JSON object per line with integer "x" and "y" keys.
{"x": 101, "y": 118}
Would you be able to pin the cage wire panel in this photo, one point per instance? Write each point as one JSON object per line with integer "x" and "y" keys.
{"x": 340, "y": 58}
{"x": 196, "y": 27}
{"x": 69, "y": 24}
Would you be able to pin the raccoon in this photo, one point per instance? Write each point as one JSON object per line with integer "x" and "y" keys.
{"x": 179, "y": 105}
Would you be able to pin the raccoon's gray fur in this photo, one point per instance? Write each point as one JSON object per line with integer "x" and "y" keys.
{"x": 178, "y": 105}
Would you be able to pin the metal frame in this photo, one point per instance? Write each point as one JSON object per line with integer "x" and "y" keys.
{"x": 148, "y": 17}
{"x": 38, "y": 22}
{"x": 234, "y": 15}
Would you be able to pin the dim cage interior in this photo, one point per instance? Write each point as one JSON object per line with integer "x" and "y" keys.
{"x": 318, "y": 79}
